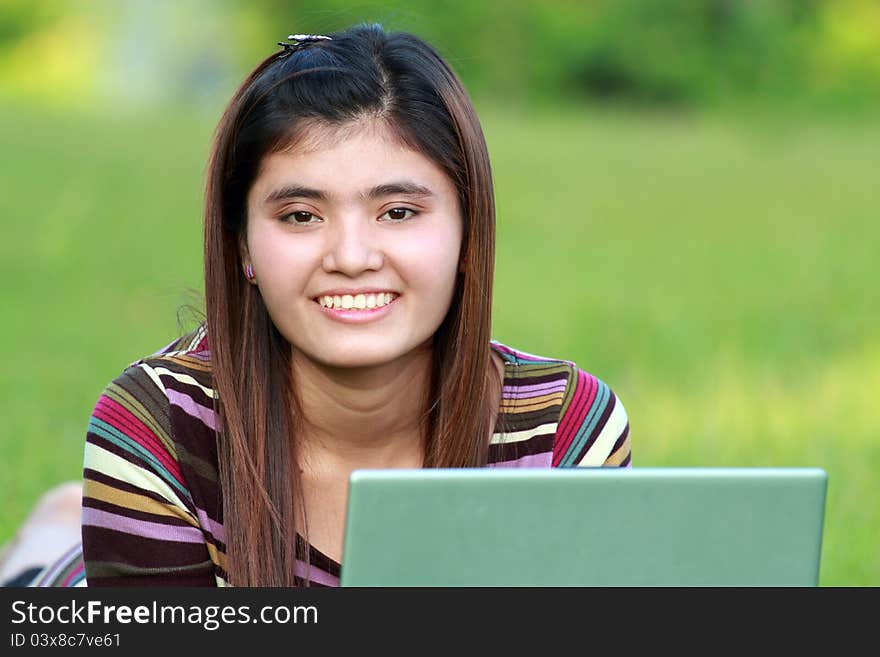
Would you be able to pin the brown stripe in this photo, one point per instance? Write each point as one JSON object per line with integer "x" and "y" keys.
{"x": 540, "y": 444}
{"x": 102, "y": 544}
{"x": 196, "y": 445}
{"x": 530, "y": 377}
{"x": 524, "y": 421}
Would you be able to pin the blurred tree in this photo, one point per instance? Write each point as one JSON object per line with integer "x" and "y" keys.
{"x": 643, "y": 51}
{"x": 22, "y": 17}
{"x": 844, "y": 59}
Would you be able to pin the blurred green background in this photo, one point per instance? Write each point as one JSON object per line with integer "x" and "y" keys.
{"x": 687, "y": 202}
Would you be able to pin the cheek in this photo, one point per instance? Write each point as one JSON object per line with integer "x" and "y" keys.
{"x": 279, "y": 262}
{"x": 430, "y": 259}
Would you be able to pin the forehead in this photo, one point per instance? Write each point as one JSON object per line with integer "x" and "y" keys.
{"x": 313, "y": 135}
{"x": 342, "y": 160}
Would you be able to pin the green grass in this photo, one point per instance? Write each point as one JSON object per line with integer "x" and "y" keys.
{"x": 717, "y": 272}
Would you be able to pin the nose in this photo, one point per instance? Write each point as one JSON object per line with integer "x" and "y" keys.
{"x": 353, "y": 248}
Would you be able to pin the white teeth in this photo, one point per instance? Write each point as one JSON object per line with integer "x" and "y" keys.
{"x": 359, "y": 301}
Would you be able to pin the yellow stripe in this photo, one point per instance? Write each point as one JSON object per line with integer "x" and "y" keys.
{"x": 108, "y": 463}
{"x": 531, "y": 404}
{"x": 620, "y": 455}
{"x": 105, "y": 493}
{"x": 216, "y": 555}
{"x": 183, "y": 358}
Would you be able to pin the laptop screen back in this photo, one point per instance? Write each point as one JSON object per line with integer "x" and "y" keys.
{"x": 584, "y": 527}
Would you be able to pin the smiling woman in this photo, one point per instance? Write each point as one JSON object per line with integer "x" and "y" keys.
{"x": 368, "y": 220}
{"x": 349, "y": 255}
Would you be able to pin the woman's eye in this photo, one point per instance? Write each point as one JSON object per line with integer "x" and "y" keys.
{"x": 399, "y": 214}
{"x": 300, "y": 217}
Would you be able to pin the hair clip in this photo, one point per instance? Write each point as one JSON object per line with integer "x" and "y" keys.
{"x": 301, "y": 40}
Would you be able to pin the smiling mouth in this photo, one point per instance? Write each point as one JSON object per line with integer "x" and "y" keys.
{"x": 356, "y": 301}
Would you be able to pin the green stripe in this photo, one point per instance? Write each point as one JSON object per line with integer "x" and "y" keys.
{"x": 115, "y": 569}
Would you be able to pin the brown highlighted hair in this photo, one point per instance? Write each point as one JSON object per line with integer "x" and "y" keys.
{"x": 363, "y": 72}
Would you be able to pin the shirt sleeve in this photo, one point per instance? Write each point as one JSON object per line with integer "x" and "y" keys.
{"x": 593, "y": 427}
{"x": 139, "y": 524}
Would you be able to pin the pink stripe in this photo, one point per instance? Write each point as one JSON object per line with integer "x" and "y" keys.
{"x": 47, "y": 579}
{"x": 544, "y": 460}
{"x": 314, "y": 574}
{"x": 74, "y": 574}
{"x": 122, "y": 418}
{"x": 118, "y": 415}
{"x": 155, "y": 530}
{"x": 213, "y": 527}
{"x": 585, "y": 394}
{"x": 538, "y": 388}
{"x": 191, "y": 407}
{"x": 577, "y": 401}
{"x": 203, "y": 344}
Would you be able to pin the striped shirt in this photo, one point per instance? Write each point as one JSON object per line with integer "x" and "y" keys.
{"x": 151, "y": 502}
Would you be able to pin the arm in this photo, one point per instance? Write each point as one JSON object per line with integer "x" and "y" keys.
{"x": 593, "y": 427}
{"x": 139, "y": 523}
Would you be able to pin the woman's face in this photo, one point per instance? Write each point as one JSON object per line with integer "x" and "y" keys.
{"x": 354, "y": 241}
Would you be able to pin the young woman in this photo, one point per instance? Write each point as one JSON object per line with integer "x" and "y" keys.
{"x": 349, "y": 249}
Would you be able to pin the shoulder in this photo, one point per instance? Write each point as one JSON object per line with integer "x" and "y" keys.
{"x": 138, "y": 416}
{"x": 181, "y": 369}
{"x": 187, "y": 356}
{"x": 592, "y": 426}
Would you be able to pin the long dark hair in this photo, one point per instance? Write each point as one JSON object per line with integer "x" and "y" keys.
{"x": 362, "y": 72}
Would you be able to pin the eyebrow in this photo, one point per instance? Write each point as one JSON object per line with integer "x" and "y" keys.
{"x": 400, "y": 187}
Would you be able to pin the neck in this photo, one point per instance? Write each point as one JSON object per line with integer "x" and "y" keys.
{"x": 362, "y": 417}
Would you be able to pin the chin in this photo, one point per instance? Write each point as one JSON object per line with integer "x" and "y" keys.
{"x": 356, "y": 358}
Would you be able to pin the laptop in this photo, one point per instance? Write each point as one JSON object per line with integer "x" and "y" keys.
{"x": 584, "y": 527}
